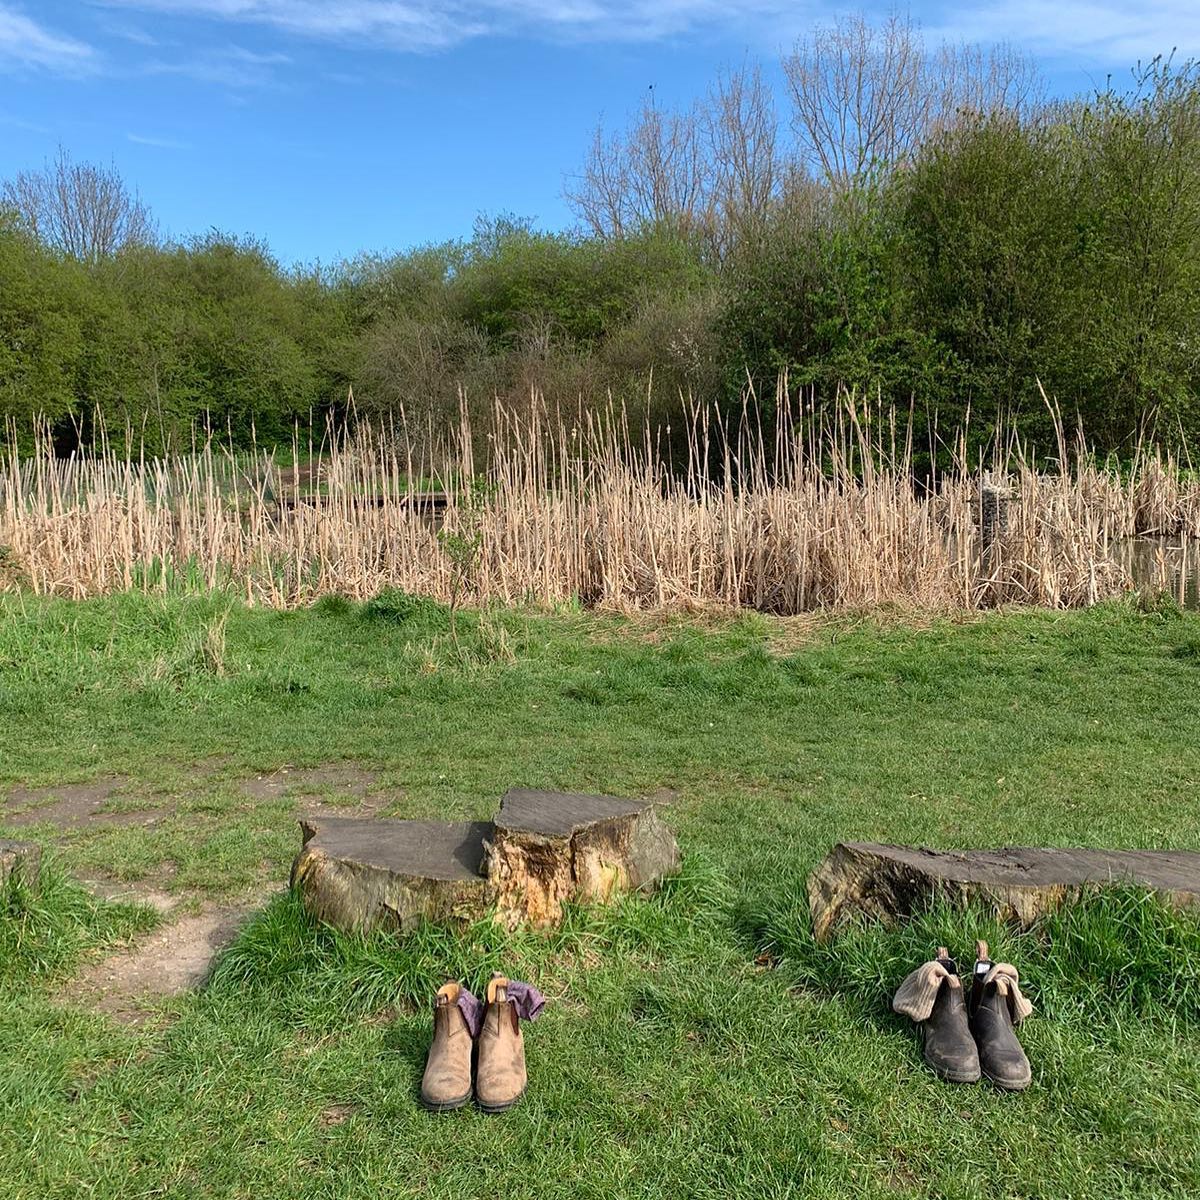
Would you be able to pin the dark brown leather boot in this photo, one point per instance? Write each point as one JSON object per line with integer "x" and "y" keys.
{"x": 500, "y": 1076}
{"x": 446, "y": 1084}
{"x": 996, "y": 1007}
{"x": 933, "y": 997}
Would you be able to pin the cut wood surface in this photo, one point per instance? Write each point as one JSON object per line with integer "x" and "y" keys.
{"x": 362, "y": 874}
{"x": 890, "y": 882}
{"x": 550, "y": 847}
{"x": 21, "y": 861}
{"x": 543, "y": 848}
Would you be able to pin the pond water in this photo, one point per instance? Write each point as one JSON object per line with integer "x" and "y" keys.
{"x": 1172, "y": 564}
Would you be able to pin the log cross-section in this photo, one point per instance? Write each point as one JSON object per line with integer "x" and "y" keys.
{"x": 1019, "y": 884}
{"x": 363, "y": 875}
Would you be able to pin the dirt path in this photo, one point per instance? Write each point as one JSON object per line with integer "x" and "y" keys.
{"x": 169, "y": 961}
{"x": 178, "y": 955}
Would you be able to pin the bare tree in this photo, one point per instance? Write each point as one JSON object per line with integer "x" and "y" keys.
{"x": 600, "y": 193}
{"x": 971, "y": 80}
{"x": 655, "y": 173}
{"x": 865, "y": 96}
{"x": 80, "y": 208}
{"x": 858, "y": 96}
{"x": 746, "y": 167}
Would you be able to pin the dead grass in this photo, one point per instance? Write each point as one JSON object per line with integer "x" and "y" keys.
{"x": 552, "y": 509}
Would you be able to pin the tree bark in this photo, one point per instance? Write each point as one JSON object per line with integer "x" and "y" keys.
{"x": 550, "y": 847}
{"x": 891, "y": 882}
{"x": 363, "y": 875}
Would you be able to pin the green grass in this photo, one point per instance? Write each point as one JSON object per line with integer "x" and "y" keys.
{"x": 697, "y": 1043}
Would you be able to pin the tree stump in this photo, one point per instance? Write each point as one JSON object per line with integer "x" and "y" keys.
{"x": 361, "y": 875}
{"x": 20, "y": 861}
{"x": 548, "y": 847}
{"x": 889, "y": 882}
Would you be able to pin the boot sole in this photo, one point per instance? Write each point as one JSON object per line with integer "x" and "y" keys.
{"x": 1009, "y": 1085}
{"x": 493, "y": 1110}
{"x": 957, "y": 1076}
{"x": 444, "y": 1106}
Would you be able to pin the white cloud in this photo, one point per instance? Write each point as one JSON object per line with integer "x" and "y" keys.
{"x": 1116, "y": 31}
{"x": 1103, "y": 30}
{"x": 26, "y": 44}
{"x": 160, "y": 143}
{"x": 429, "y": 25}
{"x": 229, "y": 66}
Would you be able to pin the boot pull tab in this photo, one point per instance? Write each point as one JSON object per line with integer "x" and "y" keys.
{"x": 983, "y": 965}
{"x": 943, "y": 957}
{"x": 497, "y": 990}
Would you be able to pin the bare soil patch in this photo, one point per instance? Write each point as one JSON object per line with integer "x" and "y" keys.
{"x": 127, "y": 892}
{"x": 167, "y": 962}
{"x": 322, "y": 790}
{"x": 335, "y": 1114}
{"x": 75, "y": 806}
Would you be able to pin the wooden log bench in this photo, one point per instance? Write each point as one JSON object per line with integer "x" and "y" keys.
{"x": 542, "y": 850}
{"x": 360, "y": 875}
{"x": 1021, "y": 884}
{"x": 550, "y": 847}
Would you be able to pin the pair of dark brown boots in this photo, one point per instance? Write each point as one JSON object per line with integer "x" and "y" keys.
{"x": 968, "y": 1037}
{"x": 499, "y": 1077}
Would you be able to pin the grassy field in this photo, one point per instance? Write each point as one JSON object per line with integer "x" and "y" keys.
{"x": 696, "y": 1043}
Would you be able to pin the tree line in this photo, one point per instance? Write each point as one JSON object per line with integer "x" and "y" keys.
{"x": 923, "y": 225}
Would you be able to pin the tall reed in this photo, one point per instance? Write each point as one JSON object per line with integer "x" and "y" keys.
{"x": 817, "y": 512}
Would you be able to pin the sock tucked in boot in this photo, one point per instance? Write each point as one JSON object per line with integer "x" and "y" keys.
{"x": 996, "y": 1007}
{"x": 500, "y": 1075}
{"x": 932, "y": 996}
{"x": 446, "y": 1084}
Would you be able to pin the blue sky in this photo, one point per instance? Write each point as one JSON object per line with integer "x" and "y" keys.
{"x": 333, "y": 126}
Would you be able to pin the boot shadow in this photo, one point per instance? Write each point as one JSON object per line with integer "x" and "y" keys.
{"x": 407, "y": 1041}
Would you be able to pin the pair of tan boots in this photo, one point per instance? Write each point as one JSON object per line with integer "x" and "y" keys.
{"x": 500, "y": 1077}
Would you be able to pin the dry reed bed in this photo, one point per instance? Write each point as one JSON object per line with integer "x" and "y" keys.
{"x": 816, "y": 515}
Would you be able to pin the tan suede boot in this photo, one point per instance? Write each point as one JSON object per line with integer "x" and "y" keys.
{"x": 446, "y": 1084}
{"x": 500, "y": 1075}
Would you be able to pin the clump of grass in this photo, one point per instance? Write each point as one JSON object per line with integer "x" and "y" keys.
{"x": 1159, "y": 604}
{"x": 43, "y": 932}
{"x": 1116, "y": 953}
{"x": 200, "y": 654}
{"x": 316, "y": 974}
{"x": 421, "y": 614}
{"x": 333, "y": 605}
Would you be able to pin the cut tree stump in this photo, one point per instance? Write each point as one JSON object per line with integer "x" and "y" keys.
{"x": 361, "y": 875}
{"x": 889, "y": 882}
{"x": 21, "y": 861}
{"x": 548, "y": 847}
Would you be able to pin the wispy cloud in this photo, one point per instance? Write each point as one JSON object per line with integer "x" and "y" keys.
{"x": 1107, "y": 29}
{"x": 1101, "y": 29}
{"x": 421, "y": 25}
{"x": 160, "y": 143}
{"x": 230, "y": 66}
{"x": 24, "y": 44}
